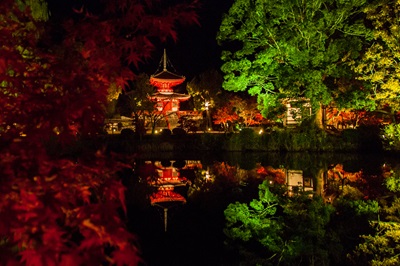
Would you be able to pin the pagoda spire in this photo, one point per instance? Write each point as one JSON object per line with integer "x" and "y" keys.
{"x": 165, "y": 60}
{"x": 165, "y": 80}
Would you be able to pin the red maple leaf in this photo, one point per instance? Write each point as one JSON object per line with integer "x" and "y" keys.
{"x": 125, "y": 257}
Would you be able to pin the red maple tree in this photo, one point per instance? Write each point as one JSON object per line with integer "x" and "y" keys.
{"x": 239, "y": 111}
{"x": 61, "y": 203}
{"x": 225, "y": 116}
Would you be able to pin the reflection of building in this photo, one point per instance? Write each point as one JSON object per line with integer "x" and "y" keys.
{"x": 168, "y": 101}
{"x": 296, "y": 182}
{"x": 165, "y": 178}
{"x": 167, "y": 175}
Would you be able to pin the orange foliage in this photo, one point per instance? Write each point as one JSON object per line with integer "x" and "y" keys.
{"x": 225, "y": 170}
{"x": 224, "y": 115}
{"x": 342, "y": 119}
{"x": 276, "y": 175}
{"x": 338, "y": 173}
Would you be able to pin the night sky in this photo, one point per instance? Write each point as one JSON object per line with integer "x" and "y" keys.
{"x": 196, "y": 49}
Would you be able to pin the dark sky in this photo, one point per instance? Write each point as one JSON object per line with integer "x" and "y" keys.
{"x": 196, "y": 49}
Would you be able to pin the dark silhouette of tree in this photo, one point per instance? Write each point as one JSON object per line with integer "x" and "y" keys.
{"x": 206, "y": 87}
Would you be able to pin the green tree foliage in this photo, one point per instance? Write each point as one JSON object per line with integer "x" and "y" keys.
{"x": 382, "y": 246}
{"x": 285, "y": 49}
{"x": 380, "y": 64}
{"x": 391, "y": 137}
{"x": 38, "y": 8}
{"x": 393, "y": 181}
{"x": 298, "y": 232}
{"x": 309, "y": 238}
{"x": 256, "y": 221}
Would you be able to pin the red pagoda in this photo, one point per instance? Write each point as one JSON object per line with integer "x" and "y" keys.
{"x": 167, "y": 100}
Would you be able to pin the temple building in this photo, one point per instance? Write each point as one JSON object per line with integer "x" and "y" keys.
{"x": 168, "y": 101}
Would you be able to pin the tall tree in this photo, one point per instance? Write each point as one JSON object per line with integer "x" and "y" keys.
{"x": 60, "y": 205}
{"x": 206, "y": 87}
{"x": 380, "y": 64}
{"x": 289, "y": 49}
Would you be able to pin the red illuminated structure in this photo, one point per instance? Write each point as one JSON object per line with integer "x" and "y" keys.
{"x": 167, "y": 101}
{"x": 166, "y": 179}
{"x": 166, "y": 194}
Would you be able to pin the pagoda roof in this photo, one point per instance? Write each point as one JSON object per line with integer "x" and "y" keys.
{"x": 166, "y": 79}
{"x": 169, "y": 96}
{"x": 166, "y": 194}
{"x": 165, "y": 76}
{"x": 163, "y": 197}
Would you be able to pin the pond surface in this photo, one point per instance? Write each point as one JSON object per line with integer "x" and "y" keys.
{"x": 183, "y": 224}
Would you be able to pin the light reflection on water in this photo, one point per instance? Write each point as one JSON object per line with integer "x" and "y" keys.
{"x": 174, "y": 233}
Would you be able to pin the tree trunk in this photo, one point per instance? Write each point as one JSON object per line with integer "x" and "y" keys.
{"x": 319, "y": 117}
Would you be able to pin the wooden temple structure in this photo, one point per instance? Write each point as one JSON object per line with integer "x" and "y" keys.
{"x": 167, "y": 101}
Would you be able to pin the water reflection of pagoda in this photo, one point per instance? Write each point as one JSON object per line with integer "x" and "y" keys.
{"x": 168, "y": 101}
{"x": 166, "y": 180}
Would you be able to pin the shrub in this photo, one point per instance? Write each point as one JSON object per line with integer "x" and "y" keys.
{"x": 178, "y": 131}
{"x": 391, "y": 137}
{"x": 127, "y": 133}
{"x": 166, "y": 132}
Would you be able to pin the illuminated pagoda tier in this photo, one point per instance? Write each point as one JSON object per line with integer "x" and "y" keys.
{"x": 166, "y": 194}
{"x": 167, "y": 100}
{"x": 168, "y": 176}
{"x": 166, "y": 198}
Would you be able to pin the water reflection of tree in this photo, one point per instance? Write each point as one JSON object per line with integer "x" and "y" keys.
{"x": 311, "y": 228}
{"x": 221, "y": 177}
{"x": 369, "y": 186}
{"x": 308, "y": 227}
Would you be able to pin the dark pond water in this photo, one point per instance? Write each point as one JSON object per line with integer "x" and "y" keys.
{"x": 189, "y": 230}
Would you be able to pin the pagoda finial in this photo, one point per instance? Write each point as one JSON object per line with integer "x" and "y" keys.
{"x": 165, "y": 60}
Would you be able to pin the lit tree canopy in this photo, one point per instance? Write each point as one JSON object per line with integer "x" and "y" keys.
{"x": 380, "y": 64}
{"x": 284, "y": 49}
